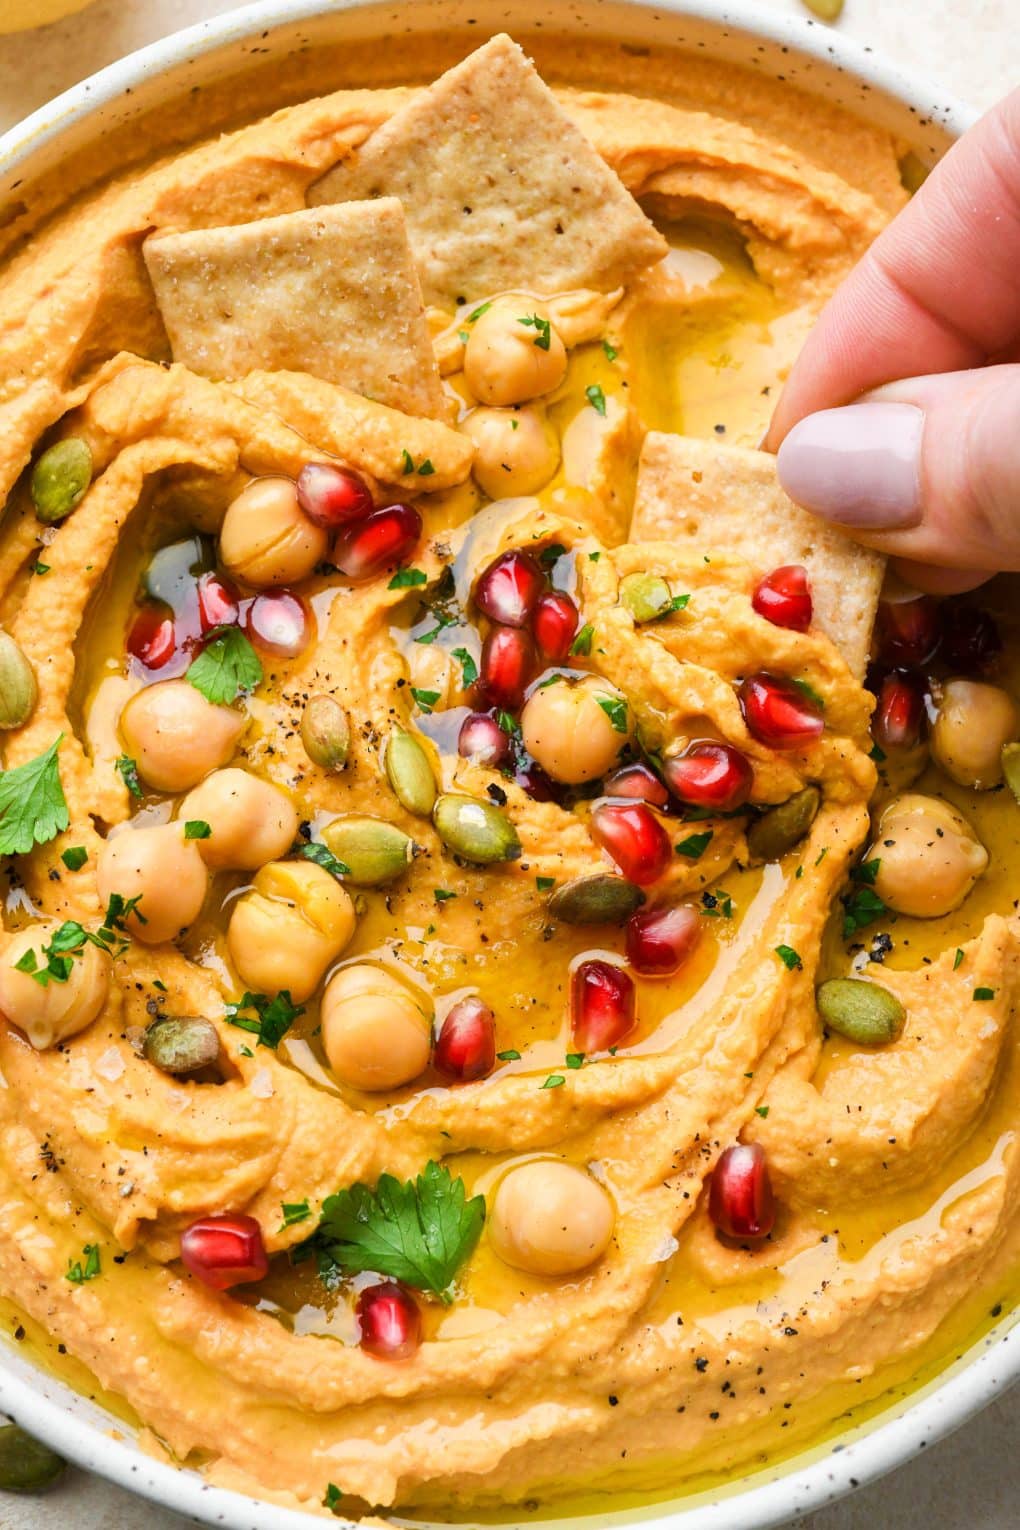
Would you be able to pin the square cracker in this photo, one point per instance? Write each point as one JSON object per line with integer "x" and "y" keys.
{"x": 499, "y": 187}
{"x": 332, "y": 292}
{"x": 727, "y": 498}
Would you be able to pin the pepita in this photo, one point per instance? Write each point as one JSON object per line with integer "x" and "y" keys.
{"x": 26, "y": 1464}
{"x": 59, "y": 479}
{"x": 784, "y": 826}
{"x": 863, "y": 1012}
{"x": 409, "y": 772}
{"x": 18, "y": 689}
{"x": 599, "y": 899}
{"x": 181, "y": 1044}
{"x": 474, "y": 830}
{"x": 645, "y": 596}
{"x": 374, "y": 851}
{"x": 325, "y": 732}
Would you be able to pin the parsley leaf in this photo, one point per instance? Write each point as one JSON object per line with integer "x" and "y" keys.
{"x": 75, "y": 857}
{"x": 575, "y": 1060}
{"x": 543, "y": 337}
{"x": 811, "y": 694}
{"x": 789, "y": 957}
{"x": 32, "y": 805}
{"x": 477, "y": 314}
{"x": 596, "y": 398}
{"x": 509, "y": 724}
{"x": 868, "y": 871}
{"x": 442, "y": 894}
{"x": 762, "y": 1110}
{"x": 615, "y": 709}
{"x": 196, "y": 828}
{"x": 510, "y": 1055}
{"x": 610, "y": 350}
{"x": 68, "y": 942}
{"x": 272, "y": 1020}
{"x": 581, "y": 646}
{"x": 469, "y": 669}
{"x": 226, "y": 668}
{"x": 407, "y": 578}
{"x": 982, "y": 995}
{"x": 549, "y": 554}
{"x": 425, "y": 468}
{"x": 86, "y": 1268}
{"x": 419, "y": 1232}
{"x": 695, "y": 845}
{"x": 544, "y": 883}
{"x": 958, "y": 958}
{"x": 426, "y": 700}
{"x": 128, "y": 772}
{"x": 294, "y": 1212}
{"x": 324, "y": 857}
{"x": 860, "y": 909}
{"x": 332, "y": 1496}
{"x": 554, "y": 1081}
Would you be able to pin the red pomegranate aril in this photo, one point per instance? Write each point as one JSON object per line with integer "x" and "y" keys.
{"x": 331, "y": 496}
{"x": 466, "y": 1044}
{"x": 508, "y": 664}
{"x": 635, "y": 839}
{"x": 218, "y": 602}
{"x": 778, "y": 713}
{"x": 601, "y": 1006}
{"x": 482, "y": 740}
{"x": 740, "y": 1199}
{"x": 384, "y": 538}
{"x": 509, "y": 589}
{"x": 152, "y": 639}
{"x": 899, "y": 713}
{"x": 971, "y": 642}
{"x": 784, "y": 598}
{"x": 908, "y": 631}
{"x": 710, "y": 774}
{"x": 390, "y": 1321}
{"x": 638, "y": 782}
{"x": 224, "y": 1251}
{"x": 279, "y": 623}
{"x": 554, "y": 624}
{"x": 659, "y": 940}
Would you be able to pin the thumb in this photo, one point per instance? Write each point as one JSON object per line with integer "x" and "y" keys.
{"x": 927, "y": 470}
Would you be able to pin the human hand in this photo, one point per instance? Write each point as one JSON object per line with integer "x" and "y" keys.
{"x": 922, "y": 343}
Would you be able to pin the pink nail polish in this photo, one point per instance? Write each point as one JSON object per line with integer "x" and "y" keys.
{"x": 860, "y": 465}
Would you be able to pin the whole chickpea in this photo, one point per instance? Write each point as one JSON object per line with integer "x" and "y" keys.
{"x": 973, "y": 722}
{"x": 513, "y": 353}
{"x": 929, "y": 856}
{"x": 266, "y": 538}
{"x": 375, "y": 1031}
{"x": 550, "y": 1219}
{"x": 286, "y": 930}
{"x": 51, "y": 1014}
{"x": 251, "y": 820}
{"x": 160, "y": 868}
{"x": 175, "y": 736}
{"x": 516, "y": 450}
{"x": 572, "y": 735}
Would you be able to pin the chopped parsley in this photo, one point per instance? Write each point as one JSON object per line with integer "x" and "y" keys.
{"x": 510, "y": 1055}
{"x": 811, "y": 694}
{"x": 615, "y": 709}
{"x": 545, "y": 883}
{"x": 575, "y": 1060}
{"x": 468, "y": 667}
{"x": 127, "y": 769}
{"x": 982, "y": 995}
{"x": 554, "y": 1081}
{"x": 543, "y": 336}
{"x": 861, "y": 908}
{"x": 324, "y": 857}
{"x": 272, "y": 1019}
{"x": 442, "y": 894}
{"x": 196, "y": 828}
{"x": 426, "y": 700}
{"x": 407, "y": 578}
{"x": 761, "y": 1110}
{"x": 477, "y": 314}
{"x": 610, "y": 350}
{"x": 32, "y": 805}
{"x": 331, "y": 1497}
{"x": 75, "y": 857}
{"x": 581, "y": 646}
{"x": 789, "y": 957}
{"x": 593, "y": 557}
{"x": 86, "y": 1268}
{"x": 596, "y": 398}
{"x": 443, "y": 620}
{"x": 294, "y": 1212}
{"x": 877, "y": 753}
{"x": 549, "y": 554}
{"x": 226, "y": 668}
{"x": 958, "y": 958}
{"x": 508, "y": 723}
{"x": 695, "y": 845}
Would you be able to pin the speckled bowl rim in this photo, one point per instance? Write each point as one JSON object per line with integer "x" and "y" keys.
{"x": 83, "y": 1432}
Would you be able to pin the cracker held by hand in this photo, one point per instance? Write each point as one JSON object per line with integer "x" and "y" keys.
{"x": 499, "y": 187}
{"x": 727, "y": 498}
{"x": 332, "y": 292}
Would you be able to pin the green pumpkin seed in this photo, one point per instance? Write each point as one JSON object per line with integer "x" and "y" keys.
{"x": 59, "y": 479}
{"x": 777, "y": 831}
{"x": 863, "y": 1012}
{"x": 18, "y": 689}
{"x": 374, "y": 851}
{"x": 409, "y": 772}
{"x": 325, "y": 732}
{"x": 600, "y": 899}
{"x": 26, "y": 1464}
{"x": 1011, "y": 768}
{"x": 476, "y": 831}
{"x": 181, "y": 1044}
{"x": 646, "y": 596}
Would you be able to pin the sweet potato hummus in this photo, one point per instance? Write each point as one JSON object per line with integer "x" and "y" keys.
{"x": 509, "y": 949}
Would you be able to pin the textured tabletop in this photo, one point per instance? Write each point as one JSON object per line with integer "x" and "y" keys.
{"x": 972, "y": 1480}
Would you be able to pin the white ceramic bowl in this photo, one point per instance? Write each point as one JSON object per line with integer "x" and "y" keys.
{"x": 817, "y": 60}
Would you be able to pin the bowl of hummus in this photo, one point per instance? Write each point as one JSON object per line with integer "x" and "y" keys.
{"x": 509, "y": 964}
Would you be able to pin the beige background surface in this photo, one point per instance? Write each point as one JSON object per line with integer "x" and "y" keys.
{"x": 971, "y": 1481}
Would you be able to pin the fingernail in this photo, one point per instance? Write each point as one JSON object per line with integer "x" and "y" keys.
{"x": 860, "y": 466}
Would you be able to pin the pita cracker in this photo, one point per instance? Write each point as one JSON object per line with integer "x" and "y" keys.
{"x": 332, "y": 292}
{"x": 726, "y": 498}
{"x": 499, "y": 187}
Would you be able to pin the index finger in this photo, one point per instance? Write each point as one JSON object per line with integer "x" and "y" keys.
{"x": 938, "y": 291}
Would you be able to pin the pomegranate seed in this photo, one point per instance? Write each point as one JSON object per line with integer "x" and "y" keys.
{"x": 908, "y": 631}
{"x": 482, "y": 740}
{"x": 970, "y": 640}
{"x": 331, "y": 496}
{"x": 659, "y": 940}
{"x": 218, "y": 602}
{"x": 152, "y": 640}
{"x": 466, "y": 1044}
{"x": 601, "y": 1006}
{"x": 390, "y": 1321}
{"x": 899, "y": 712}
{"x": 531, "y": 778}
{"x": 385, "y": 537}
{"x": 224, "y": 1251}
{"x": 638, "y": 782}
{"x": 740, "y": 1200}
{"x": 279, "y": 623}
{"x": 554, "y": 624}
{"x": 508, "y": 664}
{"x": 784, "y": 598}
{"x": 710, "y": 774}
{"x": 778, "y": 713}
{"x": 634, "y": 838}
{"x": 509, "y": 589}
